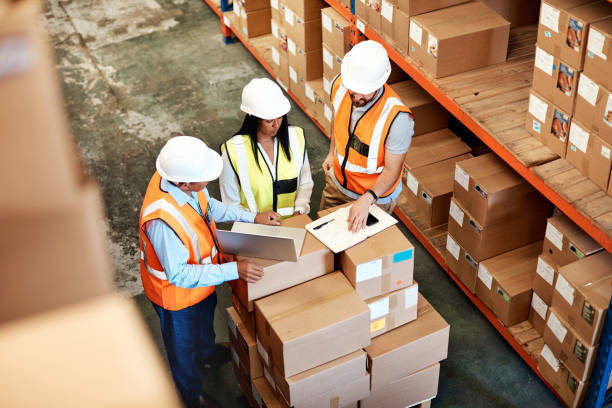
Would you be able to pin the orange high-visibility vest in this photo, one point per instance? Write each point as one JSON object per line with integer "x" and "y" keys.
{"x": 197, "y": 234}
{"x": 360, "y": 155}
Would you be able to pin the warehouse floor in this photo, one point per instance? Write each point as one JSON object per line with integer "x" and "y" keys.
{"x": 136, "y": 72}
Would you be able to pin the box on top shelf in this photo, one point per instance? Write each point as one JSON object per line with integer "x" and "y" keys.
{"x": 589, "y": 153}
{"x": 428, "y": 113}
{"x": 244, "y": 344}
{"x": 555, "y": 79}
{"x": 549, "y": 123}
{"x": 252, "y": 5}
{"x": 491, "y": 191}
{"x": 256, "y": 23}
{"x": 538, "y": 313}
{"x": 292, "y": 325}
{"x": 315, "y": 260}
{"x": 463, "y": 265}
{"x": 388, "y": 13}
{"x": 594, "y": 107}
{"x": 565, "y": 242}
{"x": 409, "y": 348}
{"x": 582, "y": 294}
{"x": 306, "y": 9}
{"x": 564, "y": 27}
{"x": 458, "y": 39}
{"x": 434, "y": 147}
{"x": 336, "y": 31}
{"x": 401, "y": 30}
{"x": 416, "y": 7}
{"x": 517, "y": 12}
{"x": 504, "y": 283}
{"x": 393, "y": 309}
{"x": 568, "y": 387}
{"x": 598, "y": 60}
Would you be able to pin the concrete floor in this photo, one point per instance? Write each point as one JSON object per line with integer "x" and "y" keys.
{"x": 136, "y": 72}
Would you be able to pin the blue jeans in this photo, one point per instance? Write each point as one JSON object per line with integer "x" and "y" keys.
{"x": 189, "y": 337}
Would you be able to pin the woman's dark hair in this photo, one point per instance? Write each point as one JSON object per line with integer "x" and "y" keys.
{"x": 250, "y": 126}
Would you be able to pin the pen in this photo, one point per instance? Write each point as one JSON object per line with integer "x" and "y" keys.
{"x": 321, "y": 225}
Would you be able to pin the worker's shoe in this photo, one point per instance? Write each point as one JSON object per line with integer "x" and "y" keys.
{"x": 220, "y": 356}
{"x": 203, "y": 401}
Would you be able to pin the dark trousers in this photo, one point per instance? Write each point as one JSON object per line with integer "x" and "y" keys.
{"x": 189, "y": 336}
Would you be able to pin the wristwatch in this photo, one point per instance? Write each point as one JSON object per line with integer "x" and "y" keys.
{"x": 373, "y": 194}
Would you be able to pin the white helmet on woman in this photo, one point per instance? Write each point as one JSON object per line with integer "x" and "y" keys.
{"x": 263, "y": 98}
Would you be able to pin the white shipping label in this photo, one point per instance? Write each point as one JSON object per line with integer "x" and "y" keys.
{"x": 411, "y": 296}
{"x": 579, "y": 137}
{"x": 369, "y": 270}
{"x": 360, "y": 25}
{"x": 262, "y": 351}
{"x": 549, "y": 17}
{"x": 565, "y": 289}
{"x": 327, "y": 112}
{"x": 386, "y": 10}
{"x": 293, "y": 74}
{"x": 326, "y": 84}
{"x": 485, "y": 276}
{"x": 412, "y": 183}
{"x": 554, "y": 235}
{"x": 545, "y": 271}
{"x": 309, "y": 93}
{"x": 327, "y": 22}
{"x": 328, "y": 58}
{"x": 588, "y": 89}
{"x": 539, "y": 306}
{"x": 274, "y": 29}
{"x": 275, "y": 56}
{"x": 462, "y": 177}
{"x": 550, "y": 358}
{"x": 416, "y": 32}
{"x": 289, "y": 17}
{"x": 232, "y": 326}
{"x": 274, "y": 4}
{"x": 456, "y": 213}
{"x": 596, "y": 43}
{"x": 605, "y": 152}
{"x": 544, "y": 61}
{"x": 256, "y": 396}
{"x": 291, "y": 46}
{"x": 243, "y": 13}
{"x": 226, "y": 21}
{"x": 452, "y": 247}
{"x": 557, "y": 327}
{"x": 538, "y": 108}
{"x": 379, "y": 308}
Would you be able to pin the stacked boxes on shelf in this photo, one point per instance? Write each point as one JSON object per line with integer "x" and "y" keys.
{"x": 253, "y": 17}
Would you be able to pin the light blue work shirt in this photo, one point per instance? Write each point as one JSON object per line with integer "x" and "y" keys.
{"x": 173, "y": 254}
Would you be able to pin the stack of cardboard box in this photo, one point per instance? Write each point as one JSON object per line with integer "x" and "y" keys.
{"x": 57, "y": 276}
{"x": 568, "y": 104}
{"x": 254, "y": 17}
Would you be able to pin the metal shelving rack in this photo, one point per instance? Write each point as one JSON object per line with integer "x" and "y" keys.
{"x": 596, "y": 394}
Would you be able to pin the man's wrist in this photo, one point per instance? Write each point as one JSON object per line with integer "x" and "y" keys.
{"x": 372, "y": 196}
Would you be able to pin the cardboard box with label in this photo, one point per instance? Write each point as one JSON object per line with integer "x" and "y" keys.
{"x": 331, "y": 63}
{"x": 594, "y": 107}
{"x": 306, "y": 34}
{"x": 570, "y": 348}
{"x": 315, "y": 260}
{"x": 545, "y": 278}
{"x": 491, "y": 191}
{"x": 565, "y": 242}
{"x": 538, "y": 313}
{"x": 555, "y": 79}
{"x": 293, "y": 324}
{"x": 296, "y": 84}
{"x": 252, "y": 5}
{"x": 393, "y": 310}
{"x": 327, "y": 381}
{"x": 484, "y": 242}
{"x": 429, "y": 115}
{"x": 401, "y": 31}
{"x": 504, "y": 283}
{"x": 568, "y": 387}
{"x": 598, "y": 60}
{"x": 409, "y": 348}
{"x": 275, "y": 9}
{"x": 336, "y": 31}
{"x": 244, "y": 344}
{"x": 582, "y": 294}
{"x": 307, "y": 9}
{"x": 308, "y": 64}
{"x": 388, "y": 13}
{"x": 373, "y": 17}
{"x": 416, "y": 7}
{"x": 564, "y": 27}
{"x": 407, "y": 391}
{"x": 463, "y": 265}
{"x": 590, "y": 154}
{"x": 549, "y": 123}
{"x": 517, "y": 12}
{"x": 433, "y": 147}
{"x": 256, "y": 23}
{"x": 458, "y": 39}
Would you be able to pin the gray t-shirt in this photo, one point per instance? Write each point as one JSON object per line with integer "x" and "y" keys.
{"x": 401, "y": 130}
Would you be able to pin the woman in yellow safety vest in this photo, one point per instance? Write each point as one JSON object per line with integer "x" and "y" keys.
{"x": 265, "y": 164}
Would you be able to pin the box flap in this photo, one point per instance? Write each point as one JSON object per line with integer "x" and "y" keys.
{"x": 592, "y": 276}
{"x": 437, "y": 178}
{"x": 434, "y": 147}
{"x": 514, "y": 270}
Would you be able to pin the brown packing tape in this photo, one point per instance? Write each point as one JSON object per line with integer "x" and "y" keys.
{"x": 386, "y": 262}
{"x": 311, "y": 303}
{"x": 334, "y": 402}
{"x": 393, "y": 300}
{"x": 385, "y": 282}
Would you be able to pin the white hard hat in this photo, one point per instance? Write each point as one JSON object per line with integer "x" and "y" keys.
{"x": 263, "y": 98}
{"x": 365, "y": 68}
{"x": 186, "y": 159}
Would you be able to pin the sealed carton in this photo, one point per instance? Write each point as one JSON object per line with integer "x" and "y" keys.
{"x": 275, "y": 7}
{"x": 590, "y": 154}
{"x": 565, "y": 242}
{"x": 538, "y": 313}
{"x": 373, "y": 17}
{"x": 256, "y": 23}
{"x": 504, "y": 283}
{"x": 293, "y": 324}
{"x": 407, "y": 391}
{"x": 336, "y": 31}
{"x": 428, "y": 113}
{"x": 545, "y": 278}
{"x": 315, "y": 260}
{"x": 244, "y": 344}
{"x": 306, "y": 34}
{"x": 393, "y": 310}
{"x": 517, "y": 12}
{"x": 569, "y": 388}
{"x": 99, "y": 341}
{"x": 346, "y": 395}
{"x": 331, "y": 64}
{"x": 408, "y": 348}
{"x": 433, "y": 147}
{"x": 401, "y": 31}
{"x": 594, "y": 107}
{"x": 555, "y": 79}
{"x": 252, "y": 5}
{"x": 463, "y": 265}
{"x": 361, "y": 10}
{"x": 416, "y": 7}
{"x": 549, "y": 123}
{"x": 568, "y": 346}
{"x": 458, "y": 39}
{"x": 491, "y": 191}
{"x": 484, "y": 242}
{"x": 582, "y": 294}
{"x": 307, "y": 9}
{"x": 564, "y": 27}
{"x": 388, "y": 13}
{"x": 598, "y": 60}
{"x": 308, "y": 64}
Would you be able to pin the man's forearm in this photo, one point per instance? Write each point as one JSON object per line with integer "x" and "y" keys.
{"x": 390, "y": 174}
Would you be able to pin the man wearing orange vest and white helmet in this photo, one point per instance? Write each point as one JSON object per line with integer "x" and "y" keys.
{"x": 181, "y": 262}
{"x": 371, "y": 133}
